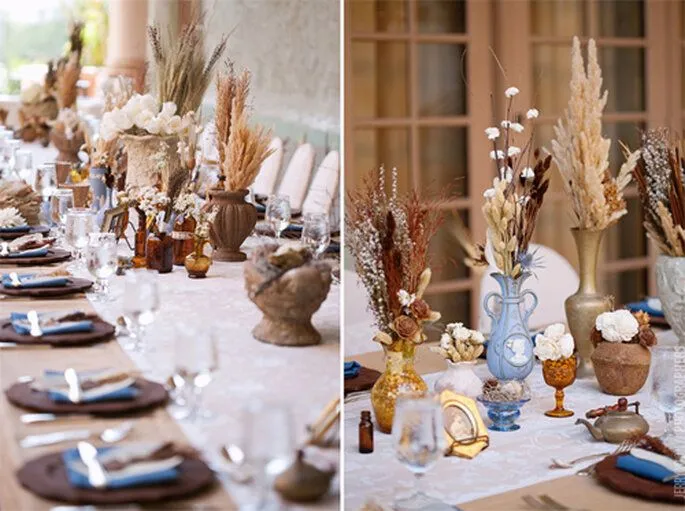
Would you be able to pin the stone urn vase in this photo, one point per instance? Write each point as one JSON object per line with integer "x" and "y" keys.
{"x": 68, "y": 147}
{"x": 234, "y": 222}
{"x": 143, "y": 154}
{"x": 288, "y": 302}
{"x": 670, "y": 285}
{"x": 621, "y": 368}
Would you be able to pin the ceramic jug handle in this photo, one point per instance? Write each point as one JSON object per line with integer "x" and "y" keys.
{"x": 486, "y": 301}
{"x": 529, "y": 311}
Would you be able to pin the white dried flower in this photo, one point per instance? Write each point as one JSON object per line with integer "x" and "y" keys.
{"x": 11, "y": 217}
{"x": 406, "y": 299}
{"x": 511, "y": 92}
{"x": 513, "y": 150}
{"x": 492, "y": 133}
{"x": 617, "y": 326}
{"x": 527, "y": 173}
{"x": 533, "y": 113}
{"x": 497, "y": 155}
{"x": 517, "y": 127}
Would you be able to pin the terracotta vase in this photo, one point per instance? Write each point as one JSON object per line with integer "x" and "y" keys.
{"x": 399, "y": 377}
{"x": 142, "y": 151}
{"x": 621, "y": 368}
{"x": 184, "y": 242}
{"x": 583, "y": 307}
{"x": 140, "y": 242}
{"x": 68, "y": 147}
{"x": 159, "y": 252}
{"x": 234, "y": 222}
{"x": 559, "y": 374}
{"x": 288, "y": 303}
{"x": 197, "y": 263}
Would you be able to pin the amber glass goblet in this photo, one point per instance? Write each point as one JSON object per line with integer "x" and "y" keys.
{"x": 559, "y": 374}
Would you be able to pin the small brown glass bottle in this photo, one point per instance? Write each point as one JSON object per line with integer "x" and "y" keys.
{"x": 365, "y": 433}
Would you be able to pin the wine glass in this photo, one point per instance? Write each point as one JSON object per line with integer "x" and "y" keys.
{"x": 417, "y": 435}
{"x": 278, "y": 213}
{"x": 267, "y": 442}
{"x": 45, "y": 183}
{"x": 316, "y": 233}
{"x": 61, "y": 201}
{"x": 196, "y": 361}
{"x": 24, "y": 165}
{"x": 80, "y": 222}
{"x": 101, "y": 259}
{"x": 141, "y": 303}
{"x": 668, "y": 372}
{"x": 10, "y": 159}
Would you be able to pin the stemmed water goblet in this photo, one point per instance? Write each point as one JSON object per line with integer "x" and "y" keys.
{"x": 278, "y": 213}
{"x": 316, "y": 233}
{"x": 141, "y": 303}
{"x": 101, "y": 260}
{"x": 80, "y": 222}
{"x": 668, "y": 376}
{"x": 45, "y": 183}
{"x": 24, "y": 165}
{"x": 61, "y": 201}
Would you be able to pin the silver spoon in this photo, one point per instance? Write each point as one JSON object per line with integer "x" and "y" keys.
{"x": 113, "y": 435}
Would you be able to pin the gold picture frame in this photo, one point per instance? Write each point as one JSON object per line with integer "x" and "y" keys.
{"x": 116, "y": 221}
{"x": 465, "y": 431}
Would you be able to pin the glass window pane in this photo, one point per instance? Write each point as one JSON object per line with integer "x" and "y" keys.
{"x": 441, "y": 16}
{"x": 628, "y": 133}
{"x": 627, "y": 286}
{"x": 446, "y": 254}
{"x": 380, "y": 80}
{"x": 443, "y": 157}
{"x": 624, "y": 18}
{"x": 442, "y": 79}
{"x": 378, "y": 15}
{"x": 559, "y": 18}
{"x": 627, "y": 239}
{"x": 552, "y": 73}
{"x": 376, "y": 147}
{"x": 455, "y": 306}
{"x": 623, "y": 70}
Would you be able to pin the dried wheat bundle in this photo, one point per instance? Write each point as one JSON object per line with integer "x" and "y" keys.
{"x": 230, "y": 88}
{"x": 17, "y": 194}
{"x": 659, "y": 177}
{"x": 67, "y": 75}
{"x": 182, "y": 72}
{"x": 582, "y": 154}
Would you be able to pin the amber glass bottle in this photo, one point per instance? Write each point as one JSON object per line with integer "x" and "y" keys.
{"x": 366, "y": 433}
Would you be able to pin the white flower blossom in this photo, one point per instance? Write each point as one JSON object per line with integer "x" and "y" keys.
{"x": 11, "y": 217}
{"x": 513, "y": 150}
{"x": 406, "y": 299}
{"x": 511, "y": 92}
{"x": 489, "y": 193}
{"x": 617, "y": 326}
{"x": 533, "y": 113}
{"x": 517, "y": 127}
{"x": 492, "y": 133}
{"x": 554, "y": 343}
{"x": 527, "y": 173}
{"x": 497, "y": 155}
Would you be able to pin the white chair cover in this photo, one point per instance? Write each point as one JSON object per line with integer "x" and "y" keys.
{"x": 555, "y": 281}
{"x": 295, "y": 181}
{"x": 265, "y": 182}
{"x": 324, "y": 187}
{"x": 358, "y": 319}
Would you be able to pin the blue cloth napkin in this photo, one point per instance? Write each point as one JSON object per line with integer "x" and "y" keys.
{"x": 33, "y": 252}
{"x": 643, "y": 468}
{"x": 117, "y": 395}
{"x": 67, "y": 327}
{"x": 18, "y": 228}
{"x": 71, "y": 457}
{"x": 352, "y": 369}
{"x": 26, "y": 281}
{"x": 643, "y": 306}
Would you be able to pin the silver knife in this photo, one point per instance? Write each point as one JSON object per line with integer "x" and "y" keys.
{"x": 71, "y": 377}
{"x": 96, "y": 473}
{"x": 37, "y": 418}
{"x": 54, "y": 438}
{"x": 36, "y": 331}
{"x": 8, "y": 345}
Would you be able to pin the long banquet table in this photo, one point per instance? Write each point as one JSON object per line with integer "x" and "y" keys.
{"x": 305, "y": 378}
{"x": 513, "y": 460}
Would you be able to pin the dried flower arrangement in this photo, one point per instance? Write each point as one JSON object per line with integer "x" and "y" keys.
{"x": 495, "y": 390}
{"x": 554, "y": 343}
{"x": 66, "y": 75}
{"x": 19, "y": 195}
{"x": 242, "y": 148}
{"x": 659, "y": 176}
{"x": 181, "y": 71}
{"x": 388, "y": 236}
{"x": 189, "y": 204}
{"x": 11, "y": 217}
{"x": 582, "y": 154}
{"x": 514, "y": 201}
{"x": 148, "y": 201}
{"x": 622, "y": 326}
{"x": 460, "y": 344}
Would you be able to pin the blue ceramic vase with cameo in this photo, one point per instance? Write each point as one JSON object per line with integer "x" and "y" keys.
{"x": 101, "y": 193}
{"x": 510, "y": 347}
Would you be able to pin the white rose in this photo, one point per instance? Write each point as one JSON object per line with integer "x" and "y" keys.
{"x": 555, "y": 331}
{"x": 546, "y": 349}
{"x": 142, "y": 118}
{"x": 477, "y": 337}
{"x": 120, "y": 119}
{"x": 133, "y": 106}
{"x": 617, "y": 326}
{"x": 168, "y": 109}
{"x": 174, "y": 125}
{"x": 566, "y": 345}
{"x": 147, "y": 102}
{"x": 153, "y": 126}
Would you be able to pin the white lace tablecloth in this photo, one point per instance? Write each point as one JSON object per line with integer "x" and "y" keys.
{"x": 513, "y": 459}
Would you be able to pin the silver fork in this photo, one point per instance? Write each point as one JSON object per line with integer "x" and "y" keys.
{"x": 624, "y": 446}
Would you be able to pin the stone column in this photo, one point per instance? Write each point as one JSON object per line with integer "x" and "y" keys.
{"x": 127, "y": 40}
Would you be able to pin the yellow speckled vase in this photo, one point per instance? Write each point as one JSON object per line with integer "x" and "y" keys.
{"x": 399, "y": 378}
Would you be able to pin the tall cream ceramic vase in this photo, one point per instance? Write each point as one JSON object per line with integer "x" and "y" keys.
{"x": 234, "y": 222}
{"x": 142, "y": 151}
{"x": 583, "y": 307}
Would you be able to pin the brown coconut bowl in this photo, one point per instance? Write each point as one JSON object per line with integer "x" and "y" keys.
{"x": 289, "y": 303}
{"x": 621, "y": 368}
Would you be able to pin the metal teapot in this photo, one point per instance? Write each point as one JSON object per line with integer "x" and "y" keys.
{"x": 616, "y": 423}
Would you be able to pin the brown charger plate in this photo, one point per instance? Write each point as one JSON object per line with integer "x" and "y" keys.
{"x": 102, "y": 331}
{"x": 37, "y": 229}
{"x": 363, "y": 381}
{"x": 625, "y": 482}
{"x": 54, "y": 255}
{"x": 46, "y": 476}
{"x": 74, "y": 285}
{"x": 150, "y": 395}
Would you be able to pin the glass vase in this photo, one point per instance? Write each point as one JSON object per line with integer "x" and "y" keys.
{"x": 510, "y": 348}
{"x": 159, "y": 253}
{"x": 399, "y": 377}
{"x": 197, "y": 263}
{"x": 559, "y": 374}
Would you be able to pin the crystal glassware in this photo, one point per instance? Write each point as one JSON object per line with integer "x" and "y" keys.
{"x": 316, "y": 233}
{"x": 80, "y": 222}
{"x": 61, "y": 201}
{"x": 268, "y": 443}
{"x": 503, "y": 414}
{"x": 10, "y": 159}
{"x": 418, "y": 440}
{"x": 559, "y": 374}
{"x": 101, "y": 260}
{"x": 278, "y": 213}
{"x": 141, "y": 304}
{"x": 668, "y": 375}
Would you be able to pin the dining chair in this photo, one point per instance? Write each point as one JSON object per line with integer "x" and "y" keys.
{"x": 295, "y": 181}
{"x": 324, "y": 188}
{"x": 358, "y": 319}
{"x": 553, "y": 282}
{"x": 265, "y": 182}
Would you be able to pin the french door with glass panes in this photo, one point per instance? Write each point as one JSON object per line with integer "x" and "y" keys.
{"x": 419, "y": 74}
